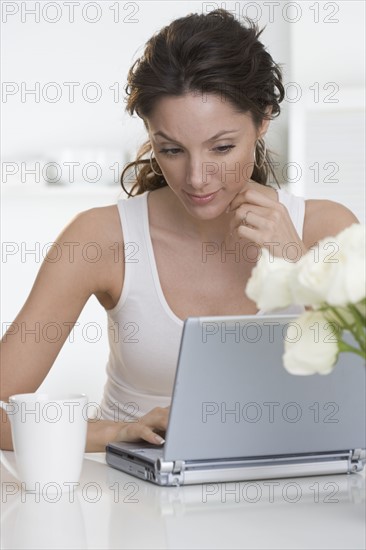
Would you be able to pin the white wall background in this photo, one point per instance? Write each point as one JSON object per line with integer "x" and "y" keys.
{"x": 39, "y": 53}
{"x": 317, "y": 46}
{"x": 327, "y": 125}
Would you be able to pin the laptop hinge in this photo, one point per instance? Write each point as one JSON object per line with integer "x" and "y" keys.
{"x": 178, "y": 467}
{"x": 358, "y": 459}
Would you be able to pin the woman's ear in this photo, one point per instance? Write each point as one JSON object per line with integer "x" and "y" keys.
{"x": 265, "y": 123}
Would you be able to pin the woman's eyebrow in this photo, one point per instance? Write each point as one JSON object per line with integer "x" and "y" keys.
{"x": 162, "y": 134}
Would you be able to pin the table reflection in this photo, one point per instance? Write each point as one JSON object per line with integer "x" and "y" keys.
{"x": 111, "y": 509}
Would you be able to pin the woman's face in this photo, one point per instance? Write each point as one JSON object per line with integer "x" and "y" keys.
{"x": 204, "y": 170}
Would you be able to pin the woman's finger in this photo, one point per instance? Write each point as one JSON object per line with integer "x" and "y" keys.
{"x": 150, "y": 436}
{"x": 249, "y": 216}
{"x": 136, "y": 431}
{"x": 251, "y": 220}
{"x": 251, "y": 197}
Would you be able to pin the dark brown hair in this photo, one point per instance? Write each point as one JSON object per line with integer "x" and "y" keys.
{"x": 204, "y": 53}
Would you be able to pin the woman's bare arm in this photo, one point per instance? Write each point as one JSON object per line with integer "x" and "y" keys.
{"x": 59, "y": 293}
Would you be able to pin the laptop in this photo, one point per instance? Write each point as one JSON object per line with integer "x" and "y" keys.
{"x": 238, "y": 414}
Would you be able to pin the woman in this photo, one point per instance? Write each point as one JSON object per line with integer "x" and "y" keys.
{"x": 191, "y": 231}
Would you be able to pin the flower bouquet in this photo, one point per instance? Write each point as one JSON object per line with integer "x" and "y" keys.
{"x": 329, "y": 281}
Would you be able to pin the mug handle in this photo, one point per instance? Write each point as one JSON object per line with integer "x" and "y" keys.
{"x": 3, "y": 457}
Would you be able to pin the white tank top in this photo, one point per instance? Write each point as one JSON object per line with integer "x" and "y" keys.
{"x": 143, "y": 332}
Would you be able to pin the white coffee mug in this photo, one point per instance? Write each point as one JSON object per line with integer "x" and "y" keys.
{"x": 49, "y": 437}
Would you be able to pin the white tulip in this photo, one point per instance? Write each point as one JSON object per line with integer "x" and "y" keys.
{"x": 268, "y": 285}
{"x": 310, "y": 346}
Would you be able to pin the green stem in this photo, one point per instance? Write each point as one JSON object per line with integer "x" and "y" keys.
{"x": 359, "y": 325}
{"x": 346, "y": 347}
{"x": 355, "y": 329}
{"x": 358, "y": 315}
{"x": 335, "y": 312}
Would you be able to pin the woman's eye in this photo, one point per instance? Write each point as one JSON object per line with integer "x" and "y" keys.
{"x": 224, "y": 148}
{"x": 174, "y": 151}
{"x": 168, "y": 151}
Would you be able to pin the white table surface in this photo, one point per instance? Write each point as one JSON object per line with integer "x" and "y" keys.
{"x": 111, "y": 509}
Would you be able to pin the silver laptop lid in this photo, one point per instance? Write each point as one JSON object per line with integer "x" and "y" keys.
{"x": 233, "y": 397}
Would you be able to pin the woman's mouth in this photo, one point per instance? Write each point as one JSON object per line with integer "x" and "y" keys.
{"x": 202, "y": 199}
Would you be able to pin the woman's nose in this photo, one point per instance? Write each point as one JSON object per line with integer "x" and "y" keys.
{"x": 197, "y": 173}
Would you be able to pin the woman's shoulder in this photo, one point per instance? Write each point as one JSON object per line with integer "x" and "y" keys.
{"x": 325, "y": 218}
{"x": 97, "y": 233}
{"x": 98, "y": 230}
{"x": 101, "y": 222}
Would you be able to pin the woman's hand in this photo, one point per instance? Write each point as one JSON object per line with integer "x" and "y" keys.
{"x": 267, "y": 223}
{"x": 148, "y": 428}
